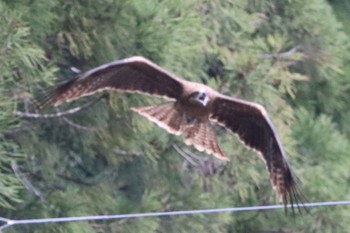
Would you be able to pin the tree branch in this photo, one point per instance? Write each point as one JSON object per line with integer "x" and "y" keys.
{"x": 25, "y": 181}
{"x": 207, "y": 166}
{"x": 97, "y": 178}
{"x": 58, "y": 114}
{"x": 185, "y": 155}
{"x": 126, "y": 153}
{"x": 78, "y": 126}
{"x": 287, "y": 54}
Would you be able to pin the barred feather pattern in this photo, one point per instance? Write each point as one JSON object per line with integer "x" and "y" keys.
{"x": 68, "y": 91}
{"x": 202, "y": 136}
{"x": 164, "y": 115}
{"x": 287, "y": 186}
{"x": 134, "y": 74}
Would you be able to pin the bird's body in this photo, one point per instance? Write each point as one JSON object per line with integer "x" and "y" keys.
{"x": 193, "y": 109}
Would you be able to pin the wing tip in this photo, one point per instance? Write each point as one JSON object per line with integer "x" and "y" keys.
{"x": 55, "y": 96}
{"x": 292, "y": 196}
{"x": 47, "y": 99}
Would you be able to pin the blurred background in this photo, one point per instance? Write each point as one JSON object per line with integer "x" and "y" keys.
{"x": 292, "y": 56}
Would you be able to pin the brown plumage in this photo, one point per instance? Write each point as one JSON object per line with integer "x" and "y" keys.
{"x": 192, "y": 111}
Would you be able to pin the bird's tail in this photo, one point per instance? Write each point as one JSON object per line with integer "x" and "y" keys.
{"x": 198, "y": 133}
{"x": 202, "y": 136}
{"x": 164, "y": 115}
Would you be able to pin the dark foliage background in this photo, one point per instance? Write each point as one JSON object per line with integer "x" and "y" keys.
{"x": 292, "y": 56}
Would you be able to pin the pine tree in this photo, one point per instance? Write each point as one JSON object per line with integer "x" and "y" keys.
{"x": 21, "y": 61}
{"x": 288, "y": 55}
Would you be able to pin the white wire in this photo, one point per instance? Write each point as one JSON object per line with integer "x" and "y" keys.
{"x": 11, "y": 222}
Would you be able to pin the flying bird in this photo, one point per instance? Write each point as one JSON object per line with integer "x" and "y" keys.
{"x": 191, "y": 112}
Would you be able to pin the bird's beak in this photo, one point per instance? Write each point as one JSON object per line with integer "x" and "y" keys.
{"x": 203, "y": 99}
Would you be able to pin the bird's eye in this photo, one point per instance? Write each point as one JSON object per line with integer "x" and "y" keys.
{"x": 202, "y": 96}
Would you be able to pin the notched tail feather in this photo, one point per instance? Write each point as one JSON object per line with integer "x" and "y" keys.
{"x": 202, "y": 136}
{"x": 199, "y": 134}
{"x": 164, "y": 115}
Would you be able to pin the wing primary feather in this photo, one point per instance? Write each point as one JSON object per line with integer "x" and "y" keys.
{"x": 134, "y": 74}
{"x": 250, "y": 122}
{"x": 53, "y": 95}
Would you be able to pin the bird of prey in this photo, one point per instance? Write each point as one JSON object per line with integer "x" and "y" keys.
{"x": 193, "y": 109}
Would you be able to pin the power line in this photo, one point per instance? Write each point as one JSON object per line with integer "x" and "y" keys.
{"x": 12, "y": 222}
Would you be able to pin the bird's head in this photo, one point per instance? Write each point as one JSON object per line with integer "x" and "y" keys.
{"x": 199, "y": 97}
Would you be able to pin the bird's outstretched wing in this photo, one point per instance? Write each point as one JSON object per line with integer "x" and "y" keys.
{"x": 253, "y": 126}
{"x": 134, "y": 74}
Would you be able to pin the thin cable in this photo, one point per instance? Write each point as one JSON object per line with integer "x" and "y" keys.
{"x": 11, "y": 222}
